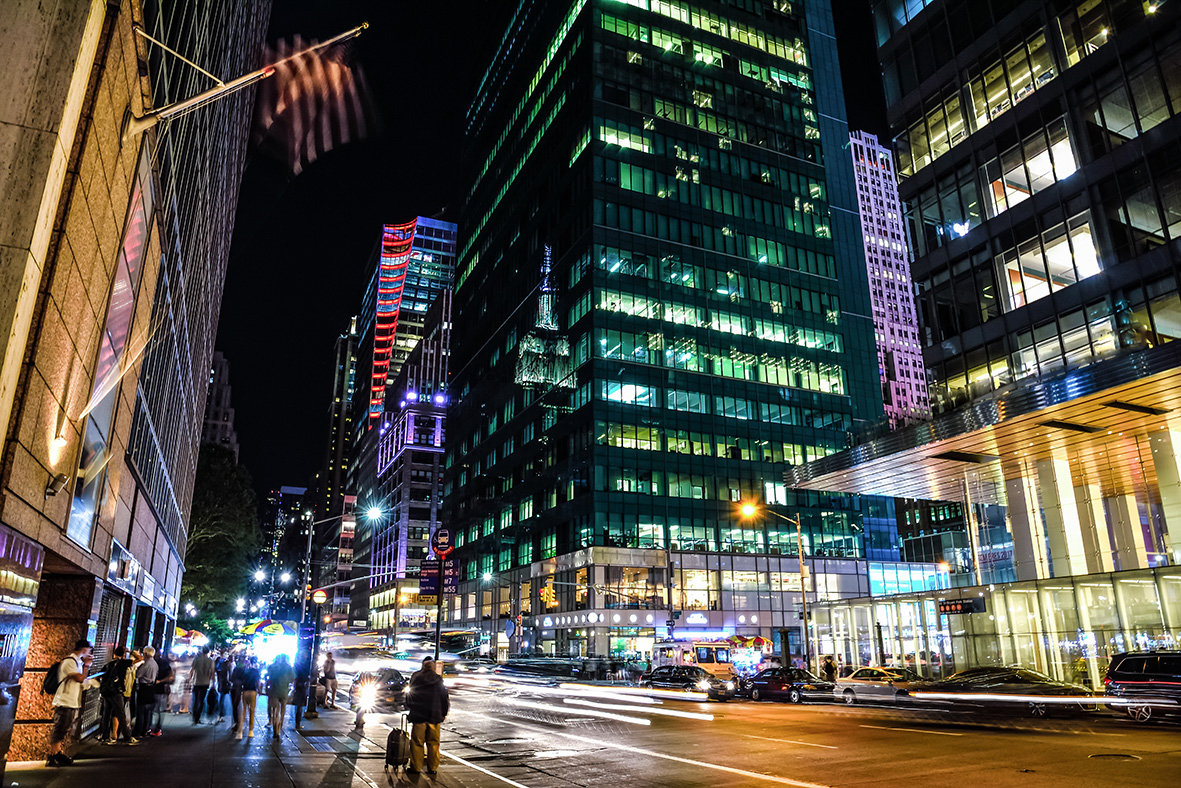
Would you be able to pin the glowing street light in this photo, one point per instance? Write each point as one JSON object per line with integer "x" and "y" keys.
{"x": 260, "y": 575}
{"x": 241, "y": 605}
{"x": 487, "y": 575}
{"x": 374, "y": 513}
{"x": 285, "y": 577}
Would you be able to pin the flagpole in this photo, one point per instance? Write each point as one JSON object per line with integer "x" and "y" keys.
{"x": 134, "y": 125}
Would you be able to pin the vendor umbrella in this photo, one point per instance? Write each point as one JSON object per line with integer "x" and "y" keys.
{"x": 180, "y": 634}
{"x": 269, "y": 626}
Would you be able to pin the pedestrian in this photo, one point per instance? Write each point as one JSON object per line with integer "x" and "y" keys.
{"x": 330, "y": 684}
{"x": 184, "y": 684}
{"x": 299, "y": 694}
{"x": 427, "y": 704}
{"x": 237, "y": 676}
{"x": 165, "y": 678}
{"x": 110, "y": 689}
{"x": 225, "y": 666}
{"x": 130, "y": 694}
{"x": 251, "y": 678}
{"x": 145, "y": 692}
{"x": 829, "y": 669}
{"x": 279, "y": 678}
{"x": 67, "y": 700}
{"x": 203, "y": 670}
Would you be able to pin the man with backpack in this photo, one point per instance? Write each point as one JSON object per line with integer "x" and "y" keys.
{"x": 428, "y": 704}
{"x": 111, "y": 689}
{"x": 64, "y": 682}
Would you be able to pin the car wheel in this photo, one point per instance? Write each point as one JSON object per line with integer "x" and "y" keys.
{"x": 646, "y": 685}
{"x": 795, "y": 696}
{"x": 1140, "y": 713}
{"x": 1037, "y": 709}
{"x": 755, "y": 695}
{"x": 850, "y": 698}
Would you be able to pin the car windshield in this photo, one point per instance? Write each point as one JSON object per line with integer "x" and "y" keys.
{"x": 906, "y": 674}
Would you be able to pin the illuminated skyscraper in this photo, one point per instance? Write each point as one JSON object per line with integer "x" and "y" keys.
{"x": 887, "y": 263}
{"x": 660, "y": 300}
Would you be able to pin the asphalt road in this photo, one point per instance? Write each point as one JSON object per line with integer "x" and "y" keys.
{"x": 538, "y": 738}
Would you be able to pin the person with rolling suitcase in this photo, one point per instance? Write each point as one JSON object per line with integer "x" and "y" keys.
{"x": 427, "y": 705}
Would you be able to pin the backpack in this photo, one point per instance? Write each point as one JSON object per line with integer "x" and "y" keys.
{"x": 52, "y": 679}
{"x": 113, "y": 679}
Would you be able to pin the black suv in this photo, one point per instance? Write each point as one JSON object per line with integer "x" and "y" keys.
{"x": 1146, "y": 675}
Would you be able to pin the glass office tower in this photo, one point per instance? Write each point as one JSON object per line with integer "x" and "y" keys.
{"x": 660, "y": 300}
{"x": 1038, "y": 155}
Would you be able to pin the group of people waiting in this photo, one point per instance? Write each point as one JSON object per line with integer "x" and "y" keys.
{"x": 138, "y": 687}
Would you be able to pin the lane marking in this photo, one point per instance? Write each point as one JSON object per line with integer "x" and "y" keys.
{"x": 792, "y": 741}
{"x": 911, "y": 730}
{"x": 690, "y": 761}
{"x": 471, "y": 765}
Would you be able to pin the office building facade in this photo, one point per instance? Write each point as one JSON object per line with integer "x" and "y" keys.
{"x": 409, "y": 484}
{"x": 660, "y": 300}
{"x": 1040, "y": 164}
{"x": 414, "y": 267}
{"x": 329, "y": 484}
{"x": 887, "y": 265}
{"x": 121, "y": 245}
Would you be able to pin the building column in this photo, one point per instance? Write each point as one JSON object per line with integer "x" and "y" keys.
{"x": 1127, "y": 533}
{"x": 67, "y": 611}
{"x": 1060, "y": 510}
{"x": 1025, "y": 526}
{"x": 1096, "y": 536}
{"x": 1164, "y": 445}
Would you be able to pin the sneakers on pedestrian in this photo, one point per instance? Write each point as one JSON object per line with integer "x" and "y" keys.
{"x": 132, "y": 742}
{"x": 63, "y": 759}
{"x": 156, "y": 733}
{"x": 250, "y": 735}
{"x": 238, "y": 735}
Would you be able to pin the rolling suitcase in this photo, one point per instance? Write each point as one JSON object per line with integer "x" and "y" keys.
{"x": 397, "y": 748}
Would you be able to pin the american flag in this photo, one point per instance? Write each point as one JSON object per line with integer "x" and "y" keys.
{"x": 314, "y": 102}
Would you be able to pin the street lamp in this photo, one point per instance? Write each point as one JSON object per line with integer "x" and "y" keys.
{"x": 749, "y": 510}
{"x": 285, "y": 577}
{"x": 259, "y": 575}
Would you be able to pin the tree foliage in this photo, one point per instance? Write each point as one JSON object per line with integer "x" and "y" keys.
{"x": 224, "y": 533}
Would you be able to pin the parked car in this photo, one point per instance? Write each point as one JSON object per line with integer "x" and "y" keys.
{"x": 689, "y": 677}
{"x": 875, "y": 684}
{"x": 1141, "y": 675}
{"x": 793, "y": 684}
{"x": 382, "y": 689}
{"x": 985, "y": 689}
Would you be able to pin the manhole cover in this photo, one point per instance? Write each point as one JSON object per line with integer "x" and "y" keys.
{"x": 508, "y": 741}
{"x": 1116, "y": 756}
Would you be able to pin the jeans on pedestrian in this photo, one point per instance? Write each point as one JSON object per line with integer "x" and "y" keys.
{"x": 221, "y": 704}
{"x": 199, "y": 693}
{"x": 143, "y": 713}
{"x": 163, "y": 704}
{"x": 235, "y": 703}
{"x": 276, "y": 712}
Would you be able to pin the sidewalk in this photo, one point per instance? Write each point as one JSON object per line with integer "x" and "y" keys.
{"x": 327, "y": 754}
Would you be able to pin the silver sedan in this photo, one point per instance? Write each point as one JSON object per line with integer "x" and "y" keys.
{"x": 875, "y": 685}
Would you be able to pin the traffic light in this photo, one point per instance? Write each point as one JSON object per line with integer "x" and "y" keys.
{"x": 547, "y": 594}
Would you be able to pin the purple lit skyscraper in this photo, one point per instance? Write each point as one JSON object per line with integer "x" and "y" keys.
{"x": 887, "y": 261}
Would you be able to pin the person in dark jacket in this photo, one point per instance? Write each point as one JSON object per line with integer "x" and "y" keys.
{"x": 427, "y": 704}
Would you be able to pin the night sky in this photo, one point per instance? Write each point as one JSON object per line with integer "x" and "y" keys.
{"x": 301, "y": 244}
